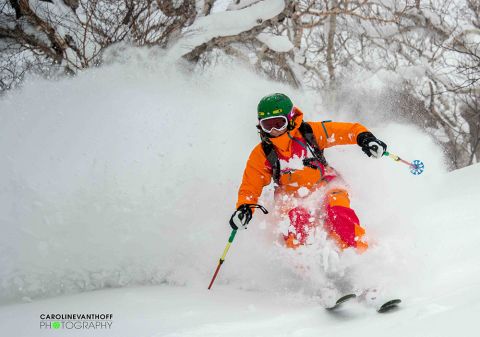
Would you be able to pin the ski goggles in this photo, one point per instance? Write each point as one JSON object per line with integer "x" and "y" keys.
{"x": 278, "y": 123}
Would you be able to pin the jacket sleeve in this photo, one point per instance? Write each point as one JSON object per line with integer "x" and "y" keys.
{"x": 256, "y": 176}
{"x": 336, "y": 133}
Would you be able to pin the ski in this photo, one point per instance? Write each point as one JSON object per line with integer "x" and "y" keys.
{"x": 340, "y": 301}
{"x": 388, "y": 306}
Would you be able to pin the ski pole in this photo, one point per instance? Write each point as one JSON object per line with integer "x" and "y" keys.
{"x": 416, "y": 166}
{"x": 225, "y": 251}
{"x": 232, "y": 236}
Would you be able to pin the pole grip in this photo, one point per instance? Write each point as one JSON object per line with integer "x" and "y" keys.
{"x": 232, "y": 235}
{"x": 227, "y": 247}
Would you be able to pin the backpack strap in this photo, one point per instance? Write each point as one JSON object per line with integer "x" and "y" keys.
{"x": 307, "y": 133}
{"x": 272, "y": 158}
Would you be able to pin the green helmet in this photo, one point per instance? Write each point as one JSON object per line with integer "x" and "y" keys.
{"x": 274, "y": 105}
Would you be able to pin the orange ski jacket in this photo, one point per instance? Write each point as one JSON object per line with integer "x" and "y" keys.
{"x": 294, "y": 175}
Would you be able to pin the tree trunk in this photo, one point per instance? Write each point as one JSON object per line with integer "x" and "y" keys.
{"x": 332, "y": 27}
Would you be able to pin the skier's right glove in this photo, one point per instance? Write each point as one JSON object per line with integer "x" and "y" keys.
{"x": 242, "y": 216}
{"x": 371, "y": 145}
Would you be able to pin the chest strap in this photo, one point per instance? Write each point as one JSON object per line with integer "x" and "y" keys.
{"x": 311, "y": 144}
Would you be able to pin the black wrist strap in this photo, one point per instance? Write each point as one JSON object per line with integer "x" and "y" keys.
{"x": 252, "y": 206}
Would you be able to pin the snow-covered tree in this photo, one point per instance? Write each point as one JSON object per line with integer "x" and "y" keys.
{"x": 430, "y": 48}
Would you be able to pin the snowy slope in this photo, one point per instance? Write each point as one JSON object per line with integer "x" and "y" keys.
{"x": 448, "y": 305}
{"x": 125, "y": 177}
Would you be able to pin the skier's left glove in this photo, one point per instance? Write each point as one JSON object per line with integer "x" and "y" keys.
{"x": 371, "y": 145}
{"x": 242, "y": 216}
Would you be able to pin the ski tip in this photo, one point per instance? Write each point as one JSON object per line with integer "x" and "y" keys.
{"x": 389, "y": 306}
{"x": 345, "y": 298}
{"x": 341, "y": 300}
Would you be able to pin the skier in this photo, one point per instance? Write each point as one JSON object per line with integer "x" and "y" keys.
{"x": 291, "y": 153}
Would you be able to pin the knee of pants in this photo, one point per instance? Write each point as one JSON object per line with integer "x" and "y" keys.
{"x": 300, "y": 225}
{"x": 342, "y": 222}
{"x": 338, "y": 197}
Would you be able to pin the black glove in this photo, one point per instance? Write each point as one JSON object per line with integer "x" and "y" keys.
{"x": 242, "y": 216}
{"x": 371, "y": 145}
